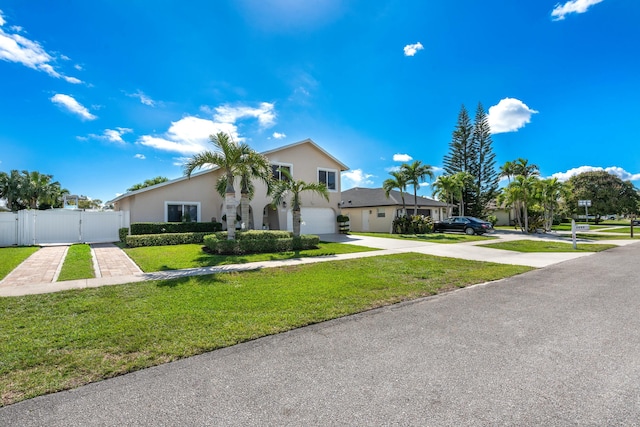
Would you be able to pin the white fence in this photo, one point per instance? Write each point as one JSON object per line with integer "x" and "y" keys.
{"x": 33, "y": 227}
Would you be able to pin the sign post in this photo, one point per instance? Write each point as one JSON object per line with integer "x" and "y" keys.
{"x": 586, "y": 204}
{"x": 574, "y": 229}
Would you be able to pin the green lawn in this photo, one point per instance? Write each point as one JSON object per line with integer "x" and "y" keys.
{"x": 626, "y": 230}
{"x": 78, "y": 264}
{"x": 62, "y": 340}
{"x": 176, "y": 257}
{"x": 547, "y": 246}
{"x": 11, "y": 257}
{"x": 431, "y": 237}
{"x": 606, "y": 236}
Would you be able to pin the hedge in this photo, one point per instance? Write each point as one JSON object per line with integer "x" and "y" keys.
{"x": 138, "y": 228}
{"x": 260, "y": 241}
{"x": 165, "y": 239}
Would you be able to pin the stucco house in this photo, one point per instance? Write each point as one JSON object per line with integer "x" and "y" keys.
{"x": 369, "y": 209}
{"x": 196, "y": 198}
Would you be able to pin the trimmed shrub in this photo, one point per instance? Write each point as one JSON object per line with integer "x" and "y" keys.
{"x": 342, "y": 218}
{"x": 123, "y": 233}
{"x": 259, "y": 241}
{"x": 165, "y": 239}
{"x": 416, "y": 224}
{"x": 138, "y": 228}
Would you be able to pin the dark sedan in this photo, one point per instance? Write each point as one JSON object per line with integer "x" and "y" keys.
{"x": 463, "y": 224}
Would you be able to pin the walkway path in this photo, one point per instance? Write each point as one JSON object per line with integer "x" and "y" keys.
{"x": 114, "y": 267}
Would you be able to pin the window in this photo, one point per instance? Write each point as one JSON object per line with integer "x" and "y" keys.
{"x": 381, "y": 213}
{"x": 277, "y": 172}
{"x": 182, "y": 211}
{"x": 328, "y": 178}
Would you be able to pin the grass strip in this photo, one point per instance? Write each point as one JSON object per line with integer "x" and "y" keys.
{"x": 605, "y": 236}
{"x": 78, "y": 264}
{"x": 62, "y": 340}
{"x": 177, "y": 257}
{"x": 431, "y": 237}
{"x": 10, "y": 258}
{"x": 547, "y": 246}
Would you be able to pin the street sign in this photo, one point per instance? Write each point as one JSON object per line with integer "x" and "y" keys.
{"x": 586, "y": 203}
{"x": 582, "y": 227}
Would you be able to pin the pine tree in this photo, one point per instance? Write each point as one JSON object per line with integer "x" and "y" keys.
{"x": 484, "y": 165}
{"x": 461, "y": 151}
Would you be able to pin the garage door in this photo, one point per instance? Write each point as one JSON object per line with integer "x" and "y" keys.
{"x": 315, "y": 221}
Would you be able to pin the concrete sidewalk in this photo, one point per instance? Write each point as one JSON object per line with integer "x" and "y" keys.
{"x": 114, "y": 267}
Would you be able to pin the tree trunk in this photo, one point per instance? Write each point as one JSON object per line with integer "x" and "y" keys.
{"x": 526, "y": 217}
{"x": 230, "y": 207}
{"x": 244, "y": 211}
{"x": 296, "y": 222}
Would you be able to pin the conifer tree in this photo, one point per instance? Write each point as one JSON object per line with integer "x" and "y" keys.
{"x": 461, "y": 151}
{"x": 484, "y": 166}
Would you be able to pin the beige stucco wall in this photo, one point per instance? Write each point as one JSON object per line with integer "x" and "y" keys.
{"x": 304, "y": 159}
{"x": 376, "y": 224}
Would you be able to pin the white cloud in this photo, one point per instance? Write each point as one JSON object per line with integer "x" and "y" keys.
{"x": 278, "y": 135}
{"x": 16, "y": 48}
{"x": 113, "y": 135}
{"x": 73, "y": 106}
{"x": 613, "y": 170}
{"x": 140, "y": 156}
{"x": 143, "y": 98}
{"x": 509, "y": 115}
{"x": 264, "y": 113}
{"x": 572, "y": 6}
{"x": 412, "y": 49}
{"x": 402, "y": 157}
{"x": 189, "y": 135}
{"x": 355, "y": 178}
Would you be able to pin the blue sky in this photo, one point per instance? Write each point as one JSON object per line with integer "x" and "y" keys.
{"x": 106, "y": 94}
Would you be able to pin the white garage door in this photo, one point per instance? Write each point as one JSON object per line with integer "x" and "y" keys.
{"x": 315, "y": 221}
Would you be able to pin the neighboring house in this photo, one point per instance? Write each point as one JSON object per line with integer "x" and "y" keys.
{"x": 196, "y": 198}
{"x": 505, "y": 215}
{"x": 369, "y": 209}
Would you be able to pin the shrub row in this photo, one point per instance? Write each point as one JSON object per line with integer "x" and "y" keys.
{"x": 138, "y": 228}
{"x": 259, "y": 241}
{"x": 165, "y": 239}
{"x": 415, "y": 224}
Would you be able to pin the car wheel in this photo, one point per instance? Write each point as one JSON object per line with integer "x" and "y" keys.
{"x": 469, "y": 231}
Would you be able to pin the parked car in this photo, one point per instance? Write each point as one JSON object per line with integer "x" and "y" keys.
{"x": 635, "y": 222}
{"x": 463, "y": 224}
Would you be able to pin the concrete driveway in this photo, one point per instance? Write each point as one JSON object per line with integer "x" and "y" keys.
{"x": 556, "y": 346}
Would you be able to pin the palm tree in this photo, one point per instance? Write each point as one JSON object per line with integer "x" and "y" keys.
{"x": 398, "y": 181}
{"x": 461, "y": 181}
{"x": 416, "y": 173}
{"x": 550, "y": 191}
{"x": 281, "y": 189}
{"x": 10, "y": 188}
{"x": 234, "y": 159}
{"x": 255, "y": 165}
{"x": 446, "y": 188}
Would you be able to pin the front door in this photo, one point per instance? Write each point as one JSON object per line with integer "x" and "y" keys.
{"x": 365, "y": 220}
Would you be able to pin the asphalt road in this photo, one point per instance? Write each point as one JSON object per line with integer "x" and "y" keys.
{"x": 556, "y": 346}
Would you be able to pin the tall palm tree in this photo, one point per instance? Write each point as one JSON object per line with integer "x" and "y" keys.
{"x": 446, "y": 188}
{"x": 255, "y": 165}
{"x": 233, "y": 159}
{"x": 415, "y": 173}
{"x": 461, "y": 181}
{"x": 281, "y": 189}
{"x": 550, "y": 191}
{"x": 398, "y": 181}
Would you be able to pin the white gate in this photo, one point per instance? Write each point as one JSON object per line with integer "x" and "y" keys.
{"x": 33, "y": 227}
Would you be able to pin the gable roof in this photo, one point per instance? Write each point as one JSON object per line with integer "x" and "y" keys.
{"x": 342, "y": 166}
{"x": 370, "y": 197}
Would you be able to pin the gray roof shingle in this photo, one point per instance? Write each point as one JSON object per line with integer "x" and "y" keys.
{"x": 371, "y": 197}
